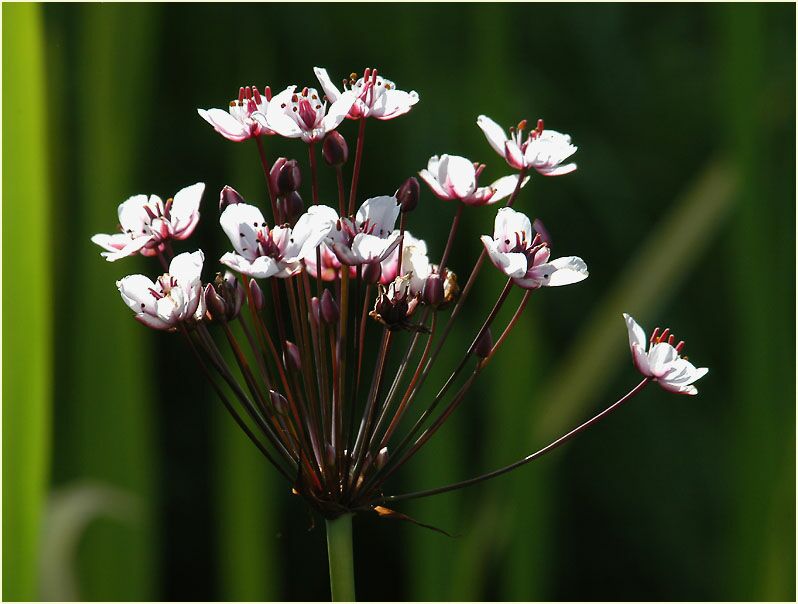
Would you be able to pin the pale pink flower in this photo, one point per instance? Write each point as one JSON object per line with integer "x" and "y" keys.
{"x": 304, "y": 114}
{"x": 376, "y": 96}
{"x": 452, "y": 177}
{"x": 175, "y": 297}
{"x": 662, "y": 363}
{"x": 147, "y": 223}
{"x": 277, "y": 252}
{"x": 370, "y": 236}
{"x": 542, "y": 150}
{"x": 415, "y": 264}
{"x": 524, "y": 257}
{"x": 237, "y": 124}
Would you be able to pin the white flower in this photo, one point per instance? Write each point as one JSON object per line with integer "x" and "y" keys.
{"x": 543, "y": 150}
{"x": 371, "y": 236}
{"x": 304, "y": 115}
{"x": 146, "y": 223}
{"x": 376, "y": 96}
{"x": 525, "y": 258}
{"x": 237, "y": 124}
{"x": 173, "y": 298}
{"x": 453, "y": 177}
{"x": 415, "y": 264}
{"x": 662, "y": 362}
{"x": 262, "y": 252}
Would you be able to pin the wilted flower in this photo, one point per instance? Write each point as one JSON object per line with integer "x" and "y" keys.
{"x": 304, "y": 115}
{"x": 175, "y": 297}
{"x": 524, "y": 258}
{"x": 262, "y": 252}
{"x": 543, "y": 150}
{"x": 662, "y": 363}
{"x": 376, "y": 96}
{"x": 370, "y": 236}
{"x": 237, "y": 124}
{"x": 452, "y": 177}
{"x": 147, "y": 224}
{"x": 395, "y": 304}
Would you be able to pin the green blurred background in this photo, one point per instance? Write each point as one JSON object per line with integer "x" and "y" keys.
{"x": 124, "y": 479}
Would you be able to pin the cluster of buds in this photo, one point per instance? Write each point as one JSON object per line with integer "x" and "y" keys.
{"x": 305, "y": 280}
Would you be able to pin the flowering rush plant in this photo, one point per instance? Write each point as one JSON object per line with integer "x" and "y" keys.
{"x": 334, "y": 315}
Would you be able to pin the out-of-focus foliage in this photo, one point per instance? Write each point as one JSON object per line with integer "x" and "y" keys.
{"x": 683, "y": 206}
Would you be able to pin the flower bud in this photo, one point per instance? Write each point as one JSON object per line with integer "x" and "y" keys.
{"x": 484, "y": 345}
{"x": 279, "y": 402}
{"x": 290, "y": 207}
{"x": 215, "y": 304}
{"x": 229, "y": 196}
{"x": 382, "y": 458}
{"x": 330, "y": 311}
{"x": 231, "y": 294}
{"x": 291, "y": 357}
{"x": 257, "y": 294}
{"x": 407, "y": 195}
{"x": 372, "y": 271}
{"x": 433, "y": 290}
{"x": 289, "y": 177}
{"x": 334, "y": 150}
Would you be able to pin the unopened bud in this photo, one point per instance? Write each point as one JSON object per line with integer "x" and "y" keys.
{"x": 382, "y": 458}
{"x": 372, "y": 271}
{"x": 228, "y": 197}
{"x": 257, "y": 294}
{"x": 330, "y": 311}
{"x": 433, "y": 290}
{"x": 334, "y": 150}
{"x": 484, "y": 345}
{"x": 289, "y": 177}
{"x": 291, "y": 357}
{"x": 290, "y": 207}
{"x": 408, "y": 194}
{"x": 279, "y": 402}
{"x": 214, "y": 304}
{"x": 230, "y": 293}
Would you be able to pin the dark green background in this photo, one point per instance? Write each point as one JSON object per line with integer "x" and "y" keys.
{"x": 124, "y": 479}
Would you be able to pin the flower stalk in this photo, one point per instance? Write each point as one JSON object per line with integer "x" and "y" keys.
{"x": 340, "y": 558}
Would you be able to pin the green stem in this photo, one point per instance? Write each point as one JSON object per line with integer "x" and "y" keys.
{"x": 339, "y": 553}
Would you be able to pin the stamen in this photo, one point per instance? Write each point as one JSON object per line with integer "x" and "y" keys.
{"x": 240, "y": 95}
{"x": 654, "y": 335}
{"x": 258, "y": 100}
{"x": 267, "y": 92}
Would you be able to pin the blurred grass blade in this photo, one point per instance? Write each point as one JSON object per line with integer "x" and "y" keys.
{"x": 27, "y": 323}
{"x": 761, "y": 552}
{"x": 646, "y": 284}
{"x": 107, "y": 433}
{"x": 69, "y": 513}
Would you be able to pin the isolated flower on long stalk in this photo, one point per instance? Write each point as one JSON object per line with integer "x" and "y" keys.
{"x": 522, "y": 255}
{"x": 147, "y": 224}
{"x": 454, "y": 178}
{"x": 377, "y": 96}
{"x": 174, "y": 297}
{"x": 662, "y": 362}
{"x": 542, "y": 150}
{"x": 236, "y": 123}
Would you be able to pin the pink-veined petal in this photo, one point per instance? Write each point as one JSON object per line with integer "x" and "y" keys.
{"x": 225, "y": 124}
{"x": 330, "y": 89}
{"x": 493, "y": 132}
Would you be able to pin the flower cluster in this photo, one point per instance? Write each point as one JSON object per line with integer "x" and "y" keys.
{"x": 335, "y": 316}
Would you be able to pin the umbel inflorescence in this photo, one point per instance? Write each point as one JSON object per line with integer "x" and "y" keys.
{"x": 334, "y": 315}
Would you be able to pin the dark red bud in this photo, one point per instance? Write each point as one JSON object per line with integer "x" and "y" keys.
{"x": 330, "y": 311}
{"x": 291, "y": 356}
{"x": 275, "y": 172}
{"x": 279, "y": 402}
{"x": 257, "y": 294}
{"x": 289, "y": 177}
{"x": 215, "y": 304}
{"x": 408, "y": 194}
{"x": 372, "y": 271}
{"x": 291, "y": 207}
{"x": 229, "y": 196}
{"x": 433, "y": 290}
{"x": 334, "y": 150}
{"x": 484, "y": 345}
